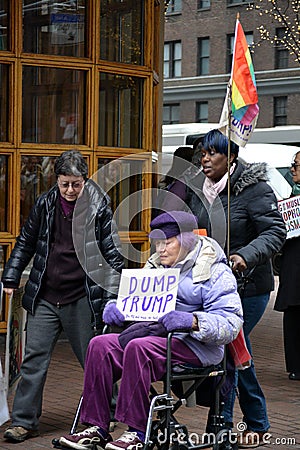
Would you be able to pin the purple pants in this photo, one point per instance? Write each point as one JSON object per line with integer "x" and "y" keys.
{"x": 141, "y": 363}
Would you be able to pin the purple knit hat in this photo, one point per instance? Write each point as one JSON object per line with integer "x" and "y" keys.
{"x": 171, "y": 224}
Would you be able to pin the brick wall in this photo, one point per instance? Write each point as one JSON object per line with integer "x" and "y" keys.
{"x": 217, "y": 23}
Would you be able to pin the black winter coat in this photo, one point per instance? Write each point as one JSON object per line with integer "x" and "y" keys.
{"x": 257, "y": 230}
{"x": 288, "y": 293}
{"x": 96, "y": 242}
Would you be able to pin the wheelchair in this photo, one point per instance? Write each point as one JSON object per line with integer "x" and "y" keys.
{"x": 207, "y": 386}
{"x": 181, "y": 383}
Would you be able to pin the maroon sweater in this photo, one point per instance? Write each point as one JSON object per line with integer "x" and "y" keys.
{"x": 64, "y": 278}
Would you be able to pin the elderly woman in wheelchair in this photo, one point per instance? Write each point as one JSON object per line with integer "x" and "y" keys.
{"x": 208, "y": 315}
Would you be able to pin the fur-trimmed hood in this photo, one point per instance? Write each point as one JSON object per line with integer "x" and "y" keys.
{"x": 244, "y": 175}
{"x": 247, "y": 174}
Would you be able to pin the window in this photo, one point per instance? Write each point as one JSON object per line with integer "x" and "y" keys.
{"x": 171, "y": 114}
{"x": 174, "y": 6}
{"x": 4, "y": 101}
{"x": 120, "y": 112}
{"x": 55, "y": 28}
{"x": 230, "y": 44}
{"x": 281, "y": 53}
{"x": 4, "y": 25}
{"x": 37, "y": 176}
{"x": 202, "y": 112}
{"x": 61, "y": 91}
{"x": 280, "y": 111}
{"x": 3, "y": 192}
{"x": 203, "y": 56}
{"x": 237, "y": 2}
{"x": 122, "y": 31}
{"x": 172, "y": 59}
{"x": 203, "y": 4}
{"x": 122, "y": 179}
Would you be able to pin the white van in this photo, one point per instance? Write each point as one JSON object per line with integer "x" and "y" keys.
{"x": 276, "y": 146}
{"x": 279, "y": 158}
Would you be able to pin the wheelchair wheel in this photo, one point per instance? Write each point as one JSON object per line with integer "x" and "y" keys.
{"x": 55, "y": 443}
{"x": 225, "y": 441}
{"x": 173, "y": 444}
{"x": 179, "y": 447}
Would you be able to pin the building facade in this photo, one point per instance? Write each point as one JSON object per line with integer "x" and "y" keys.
{"x": 82, "y": 74}
{"x": 198, "y": 47}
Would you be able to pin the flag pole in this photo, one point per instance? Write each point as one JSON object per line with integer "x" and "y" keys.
{"x": 228, "y": 172}
{"x": 241, "y": 104}
{"x": 229, "y": 106}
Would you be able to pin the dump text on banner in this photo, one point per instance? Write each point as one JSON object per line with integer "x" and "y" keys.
{"x": 147, "y": 294}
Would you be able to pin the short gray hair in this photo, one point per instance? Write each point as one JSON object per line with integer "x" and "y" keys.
{"x": 71, "y": 162}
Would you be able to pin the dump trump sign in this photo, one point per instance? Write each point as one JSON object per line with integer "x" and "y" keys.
{"x": 147, "y": 294}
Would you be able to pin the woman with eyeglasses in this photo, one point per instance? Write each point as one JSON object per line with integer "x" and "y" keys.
{"x": 73, "y": 240}
{"x": 257, "y": 231}
{"x": 288, "y": 295}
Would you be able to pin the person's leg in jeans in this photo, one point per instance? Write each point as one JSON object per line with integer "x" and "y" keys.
{"x": 251, "y": 398}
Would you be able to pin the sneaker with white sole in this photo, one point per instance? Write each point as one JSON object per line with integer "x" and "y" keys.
{"x": 85, "y": 439}
{"x": 129, "y": 440}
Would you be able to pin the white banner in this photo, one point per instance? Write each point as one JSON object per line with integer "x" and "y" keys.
{"x": 290, "y": 212}
{"x": 147, "y": 294}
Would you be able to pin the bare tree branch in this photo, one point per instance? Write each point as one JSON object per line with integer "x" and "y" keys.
{"x": 286, "y": 14}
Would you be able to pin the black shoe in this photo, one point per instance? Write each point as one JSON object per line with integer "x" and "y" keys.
{"x": 294, "y": 376}
{"x": 19, "y": 434}
{"x": 251, "y": 439}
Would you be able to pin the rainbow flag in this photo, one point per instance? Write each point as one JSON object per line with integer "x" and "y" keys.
{"x": 240, "y": 110}
{"x": 244, "y": 95}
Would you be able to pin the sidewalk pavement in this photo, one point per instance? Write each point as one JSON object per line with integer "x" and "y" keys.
{"x": 64, "y": 384}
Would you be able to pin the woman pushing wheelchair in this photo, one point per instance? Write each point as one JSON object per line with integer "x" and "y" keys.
{"x": 208, "y": 315}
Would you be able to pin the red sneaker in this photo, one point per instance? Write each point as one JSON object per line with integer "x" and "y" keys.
{"x": 85, "y": 439}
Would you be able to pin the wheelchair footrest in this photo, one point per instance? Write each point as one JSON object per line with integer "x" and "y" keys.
{"x": 56, "y": 444}
{"x": 160, "y": 402}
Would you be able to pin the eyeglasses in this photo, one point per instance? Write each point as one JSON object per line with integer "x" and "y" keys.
{"x": 295, "y": 165}
{"x": 73, "y": 184}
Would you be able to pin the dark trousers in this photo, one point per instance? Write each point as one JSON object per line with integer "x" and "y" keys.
{"x": 42, "y": 331}
{"x": 291, "y": 335}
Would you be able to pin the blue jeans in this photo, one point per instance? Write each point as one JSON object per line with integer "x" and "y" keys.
{"x": 251, "y": 398}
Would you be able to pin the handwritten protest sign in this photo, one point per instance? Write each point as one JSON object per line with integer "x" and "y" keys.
{"x": 147, "y": 294}
{"x": 290, "y": 212}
